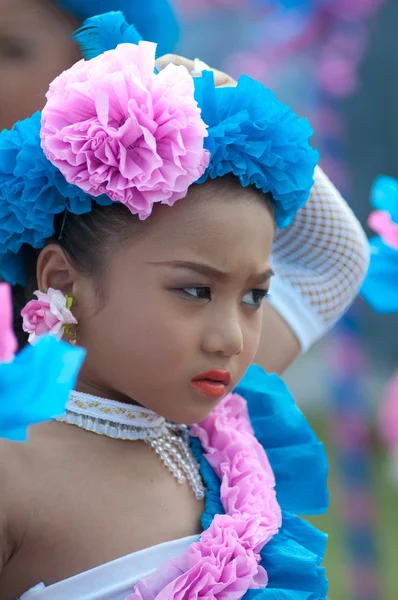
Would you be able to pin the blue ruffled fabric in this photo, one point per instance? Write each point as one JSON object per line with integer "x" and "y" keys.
{"x": 154, "y": 19}
{"x": 384, "y": 195}
{"x": 258, "y": 139}
{"x": 36, "y": 385}
{"x": 294, "y": 556}
{"x": 380, "y": 288}
{"x": 32, "y": 192}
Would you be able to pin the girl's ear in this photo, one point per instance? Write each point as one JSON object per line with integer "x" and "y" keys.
{"x": 54, "y": 270}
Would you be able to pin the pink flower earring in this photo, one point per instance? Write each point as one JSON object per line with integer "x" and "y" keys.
{"x": 49, "y": 314}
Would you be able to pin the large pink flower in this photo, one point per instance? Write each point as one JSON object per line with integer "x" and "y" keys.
{"x": 112, "y": 126}
{"x": 47, "y": 314}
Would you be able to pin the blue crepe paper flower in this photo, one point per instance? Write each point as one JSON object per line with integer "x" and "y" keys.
{"x": 32, "y": 192}
{"x": 36, "y": 385}
{"x": 380, "y": 288}
{"x": 258, "y": 139}
{"x": 384, "y": 195}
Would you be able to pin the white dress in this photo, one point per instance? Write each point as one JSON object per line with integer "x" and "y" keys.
{"x": 114, "y": 580}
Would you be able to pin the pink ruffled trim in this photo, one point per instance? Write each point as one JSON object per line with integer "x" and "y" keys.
{"x": 224, "y": 564}
{"x": 380, "y": 221}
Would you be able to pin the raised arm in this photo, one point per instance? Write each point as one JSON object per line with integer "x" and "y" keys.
{"x": 320, "y": 262}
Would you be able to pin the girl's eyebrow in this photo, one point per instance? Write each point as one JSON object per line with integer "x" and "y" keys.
{"x": 209, "y": 271}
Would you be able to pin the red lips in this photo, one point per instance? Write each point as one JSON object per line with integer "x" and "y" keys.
{"x": 213, "y": 383}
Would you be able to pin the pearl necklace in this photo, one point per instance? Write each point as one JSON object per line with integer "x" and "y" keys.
{"x": 128, "y": 422}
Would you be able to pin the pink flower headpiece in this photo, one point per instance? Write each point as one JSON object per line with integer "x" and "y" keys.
{"x": 112, "y": 126}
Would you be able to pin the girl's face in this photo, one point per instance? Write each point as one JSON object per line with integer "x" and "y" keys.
{"x": 35, "y": 46}
{"x": 182, "y": 299}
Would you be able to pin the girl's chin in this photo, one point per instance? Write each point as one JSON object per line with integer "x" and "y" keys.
{"x": 189, "y": 408}
{"x": 190, "y": 417}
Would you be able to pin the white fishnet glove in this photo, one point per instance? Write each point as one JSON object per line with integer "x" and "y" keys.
{"x": 320, "y": 262}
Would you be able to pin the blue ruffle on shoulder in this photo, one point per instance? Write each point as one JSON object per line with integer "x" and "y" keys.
{"x": 35, "y": 386}
{"x": 293, "y": 557}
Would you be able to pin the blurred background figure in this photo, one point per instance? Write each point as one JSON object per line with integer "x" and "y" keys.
{"x": 36, "y": 43}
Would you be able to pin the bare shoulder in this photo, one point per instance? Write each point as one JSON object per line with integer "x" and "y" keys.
{"x": 13, "y": 469}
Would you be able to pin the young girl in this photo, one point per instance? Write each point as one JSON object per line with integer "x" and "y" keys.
{"x": 319, "y": 261}
{"x": 162, "y": 281}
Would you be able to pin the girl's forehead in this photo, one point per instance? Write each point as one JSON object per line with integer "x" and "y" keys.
{"x": 210, "y": 215}
{"x": 218, "y": 225}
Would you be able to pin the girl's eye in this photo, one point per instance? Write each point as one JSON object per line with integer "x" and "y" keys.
{"x": 14, "y": 50}
{"x": 254, "y": 298}
{"x": 201, "y": 293}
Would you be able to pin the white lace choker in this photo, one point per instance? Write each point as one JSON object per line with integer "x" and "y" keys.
{"x": 128, "y": 422}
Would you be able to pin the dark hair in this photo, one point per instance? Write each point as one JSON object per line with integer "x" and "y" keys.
{"x": 87, "y": 240}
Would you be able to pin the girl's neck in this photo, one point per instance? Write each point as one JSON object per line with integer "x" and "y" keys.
{"x": 89, "y": 387}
